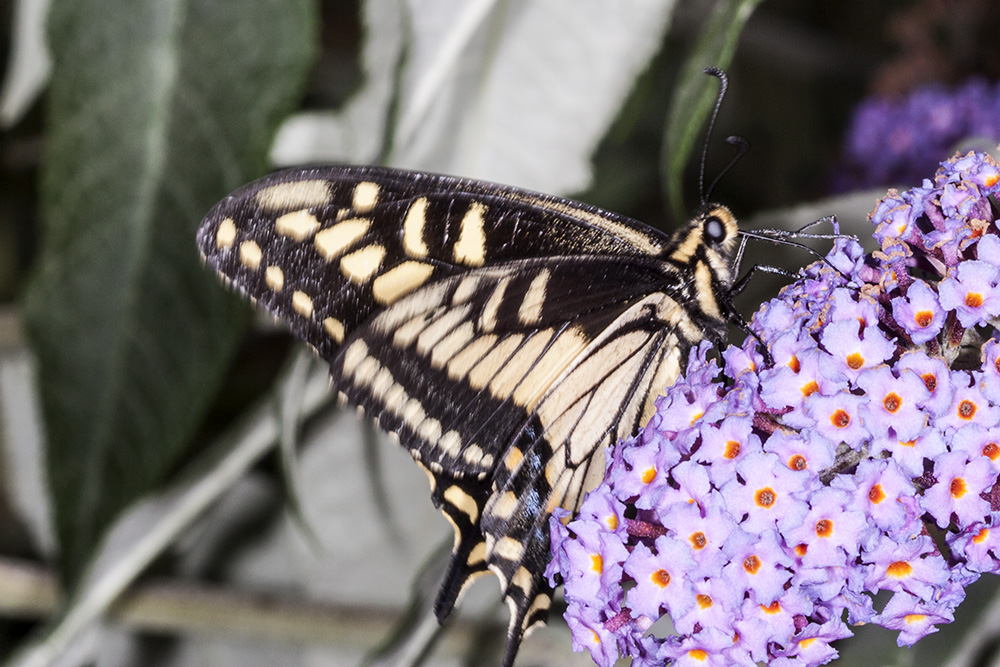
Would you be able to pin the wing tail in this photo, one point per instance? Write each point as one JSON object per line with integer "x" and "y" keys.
{"x": 462, "y": 502}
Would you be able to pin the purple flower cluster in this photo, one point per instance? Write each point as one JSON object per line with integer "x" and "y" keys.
{"x": 899, "y": 140}
{"x": 764, "y": 506}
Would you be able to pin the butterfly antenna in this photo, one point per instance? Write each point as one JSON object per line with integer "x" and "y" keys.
{"x": 723, "y": 84}
{"x": 743, "y": 147}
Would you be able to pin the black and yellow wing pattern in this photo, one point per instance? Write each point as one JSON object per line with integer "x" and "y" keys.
{"x": 506, "y": 337}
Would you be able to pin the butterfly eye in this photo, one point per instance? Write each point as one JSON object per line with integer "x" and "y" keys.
{"x": 715, "y": 231}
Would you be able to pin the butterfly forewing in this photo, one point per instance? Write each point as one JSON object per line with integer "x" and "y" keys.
{"x": 506, "y": 337}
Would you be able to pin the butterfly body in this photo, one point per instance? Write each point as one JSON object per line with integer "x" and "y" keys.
{"x": 506, "y": 337}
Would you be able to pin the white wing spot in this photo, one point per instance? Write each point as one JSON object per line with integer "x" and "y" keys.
{"x": 365, "y": 196}
{"x": 465, "y": 290}
{"x": 460, "y": 365}
{"x": 473, "y": 454}
{"x": 225, "y": 236}
{"x": 382, "y": 383}
{"x": 294, "y": 195}
{"x": 522, "y": 579}
{"x": 504, "y": 506}
{"x": 362, "y": 264}
{"x": 297, "y": 225}
{"x": 530, "y": 311}
{"x": 250, "y": 255}
{"x": 400, "y": 281}
{"x": 488, "y": 320}
{"x": 430, "y": 430}
{"x": 491, "y": 365}
{"x": 463, "y": 502}
{"x": 432, "y": 335}
{"x": 413, "y": 228}
{"x": 478, "y": 554}
{"x": 412, "y": 412}
{"x": 302, "y": 304}
{"x": 509, "y": 548}
{"x": 470, "y": 248}
{"x": 451, "y": 344}
{"x": 406, "y": 334}
{"x": 451, "y": 444}
{"x": 274, "y": 277}
{"x": 353, "y": 355}
{"x": 333, "y": 241}
{"x": 335, "y": 329}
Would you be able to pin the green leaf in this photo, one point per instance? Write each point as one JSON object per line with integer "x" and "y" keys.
{"x": 696, "y": 92}
{"x": 157, "y": 108}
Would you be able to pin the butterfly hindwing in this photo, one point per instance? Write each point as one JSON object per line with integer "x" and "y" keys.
{"x": 506, "y": 337}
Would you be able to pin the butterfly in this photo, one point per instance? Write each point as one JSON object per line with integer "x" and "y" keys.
{"x": 507, "y": 337}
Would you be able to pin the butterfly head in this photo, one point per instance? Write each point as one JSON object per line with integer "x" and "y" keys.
{"x": 709, "y": 238}
{"x": 718, "y": 228}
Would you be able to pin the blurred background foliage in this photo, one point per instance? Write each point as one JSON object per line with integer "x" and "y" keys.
{"x": 128, "y": 377}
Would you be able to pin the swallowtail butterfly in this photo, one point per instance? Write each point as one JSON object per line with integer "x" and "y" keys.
{"x": 506, "y": 337}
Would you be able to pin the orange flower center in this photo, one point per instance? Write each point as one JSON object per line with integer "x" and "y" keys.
{"x": 765, "y": 497}
{"x": 840, "y": 418}
{"x": 991, "y": 451}
{"x": 899, "y": 569}
{"x": 661, "y": 578}
{"x": 733, "y": 449}
{"x": 892, "y": 402}
{"x": 597, "y": 563}
{"x": 876, "y": 494}
{"x": 698, "y": 540}
{"x": 772, "y": 608}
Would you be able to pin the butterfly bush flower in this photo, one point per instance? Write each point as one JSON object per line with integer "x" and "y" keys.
{"x": 898, "y": 140}
{"x": 764, "y": 506}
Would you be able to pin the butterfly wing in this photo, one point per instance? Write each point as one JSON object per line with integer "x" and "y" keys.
{"x": 505, "y": 337}
{"x": 327, "y": 248}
